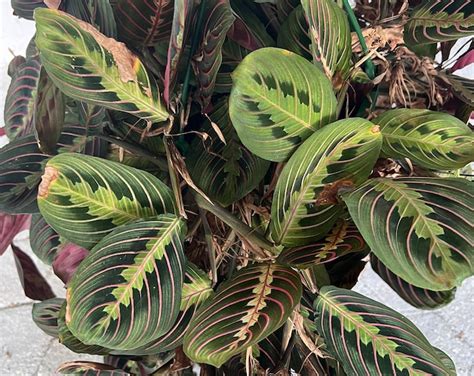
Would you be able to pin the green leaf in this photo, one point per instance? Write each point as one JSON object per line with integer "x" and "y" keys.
{"x": 66, "y": 338}
{"x": 439, "y": 21}
{"x": 49, "y": 110}
{"x": 44, "y": 241}
{"x": 344, "y": 238}
{"x": 369, "y": 338}
{"x": 20, "y": 97}
{"x": 462, "y": 87}
{"x": 330, "y": 35}
{"x": 226, "y": 172}
{"x": 144, "y": 23}
{"x": 83, "y": 368}
{"x": 98, "y": 13}
{"x": 293, "y": 35}
{"x": 21, "y": 165}
{"x": 196, "y": 289}
{"x": 304, "y": 207}
{"x": 127, "y": 291}
{"x": 255, "y": 302}
{"x": 420, "y": 228}
{"x": 208, "y": 57}
{"x": 417, "y": 297}
{"x": 83, "y": 198}
{"x": 45, "y": 315}
{"x": 26, "y": 8}
{"x": 278, "y": 100}
{"x": 430, "y": 139}
{"x": 88, "y": 66}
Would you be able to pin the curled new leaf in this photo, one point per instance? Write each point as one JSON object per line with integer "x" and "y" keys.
{"x": 420, "y": 228}
{"x": 278, "y": 100}
{"x": 431, "y": 139}
{"x": 368, "y": 338}
{"x": 255, "y": 302}
{"x": 305, "y": 205}
{"x": 127, "y": 292}
{"x": 19, "y": 109}
{"x": 67, "y": 261}
{"x": 417, "y": 297}
{"x": 88, "y": 66}
{"x": 84, "y": 198}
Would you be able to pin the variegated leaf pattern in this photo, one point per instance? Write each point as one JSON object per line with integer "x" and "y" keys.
{"x": 330, "y": 35}
{"x": 45, "y": 315}
{"x": 88, "y": 66}
{"x": 98, "y": 13}
{"x": 415, "y": 296}
{"x": 208, "y": 57}
{"x": 49, "y": 112}
{"x": 144, "y": 22}
{"x": 67, "y": 339}
{"x": 369, "y": 338}
{"x": 420, "y": 228}
{"x": 304, "y": 206}
{"x": 196, "y": 290}
{"x": 343, "y": 238}
{"x": 83, "y": 198}
{"x": 19, "y": 102}
{"x": 285, "y": 7}
{"x": 225, "y": 172}
{"x": 439, "y": 21}
{"x": 255, "y": 302}
{"x": 44, "y": 241}
{"x": 21, "y": 166}
{"x": 83, "y": 368}
{"x": 278, "y": 100}
{"x": 232, "y": 55}
{"x": 293, "y": 34}
{"x": 127, "y": 291}
{"x": 430, "y": 139}
{"x": 462, "y": 87}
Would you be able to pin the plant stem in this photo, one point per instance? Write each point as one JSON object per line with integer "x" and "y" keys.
{"x": 236, "y": 224}
{"x": 160, "y": 162}
{"x": 369, "y": 64}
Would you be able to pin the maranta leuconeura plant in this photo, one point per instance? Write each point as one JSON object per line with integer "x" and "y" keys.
{"x": 209, "y": 178}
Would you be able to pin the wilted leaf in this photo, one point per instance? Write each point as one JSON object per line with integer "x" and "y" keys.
{"x": 84, "y": 198}
{"x": 370, "y": 338}
{"x": 420, "y": 228}
{"x": 127, "y": 292}
{"x": 305, "y": 205}
{"x": 255, "y": 302}
{"x": 278, "y": 100}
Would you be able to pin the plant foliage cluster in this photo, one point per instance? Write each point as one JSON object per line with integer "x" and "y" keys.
{"x": 209, "y": 178}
